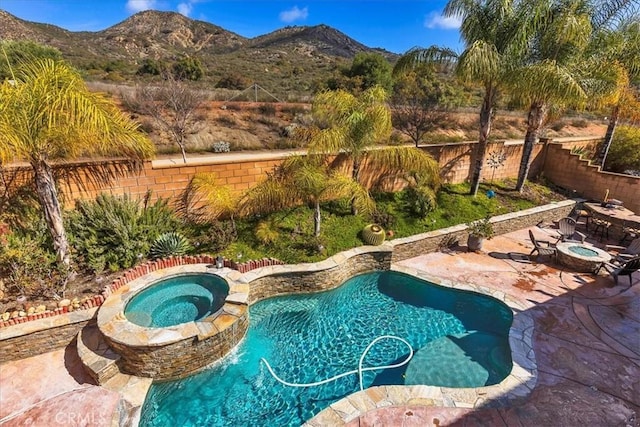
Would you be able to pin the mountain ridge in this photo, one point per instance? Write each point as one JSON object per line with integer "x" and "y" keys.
{"x": 290, "y": 60}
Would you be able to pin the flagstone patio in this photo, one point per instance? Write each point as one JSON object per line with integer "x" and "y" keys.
{"x": 586, "y": 342}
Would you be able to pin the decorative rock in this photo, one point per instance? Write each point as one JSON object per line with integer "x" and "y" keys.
{"x": 64, "y": 302}
{"x": 22, "y": 313}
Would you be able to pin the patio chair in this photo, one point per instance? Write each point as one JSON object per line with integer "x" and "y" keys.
{"x": 542, "y": 247}
{"x": 624, "y": 269}
{"x": 629, "y": 233}
{"x": 622, "y": 253}
{"x": 567, "y": 231}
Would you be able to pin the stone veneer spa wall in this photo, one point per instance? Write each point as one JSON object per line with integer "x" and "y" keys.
{"x": 174, "y": 351}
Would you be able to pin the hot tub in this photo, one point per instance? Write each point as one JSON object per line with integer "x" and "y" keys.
{"x": 177, "y": 300}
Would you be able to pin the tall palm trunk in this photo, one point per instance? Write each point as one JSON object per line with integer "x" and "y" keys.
{"x": 355, "y": 175}
{"x": 316, "y": 218}
{"x": 611, "y": 128}
{"x": 46, "y": 189}
{"x": 535, "y": 117}
{"x": 486, "y": 113}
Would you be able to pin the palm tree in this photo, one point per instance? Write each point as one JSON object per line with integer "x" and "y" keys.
{"x": 47, "y": 114}
{"x": 352, "y": 126}
{"x": 304, "y": 179}
{"x": 493, "y": 32}
{"x": 554, "y": 71}
{"x": 217, "y": 200}
{"x": 621, "y": 47}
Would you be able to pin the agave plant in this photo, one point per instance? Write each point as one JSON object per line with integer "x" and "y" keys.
{"x": 169, "y": 244}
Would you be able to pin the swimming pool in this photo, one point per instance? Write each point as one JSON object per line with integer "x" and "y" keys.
{"x": 460, "y": 339}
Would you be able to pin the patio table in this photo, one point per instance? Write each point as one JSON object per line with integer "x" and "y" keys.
{"x": 618, "y": 216}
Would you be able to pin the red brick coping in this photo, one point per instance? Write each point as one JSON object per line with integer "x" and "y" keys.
{"x": 139, "y": 271}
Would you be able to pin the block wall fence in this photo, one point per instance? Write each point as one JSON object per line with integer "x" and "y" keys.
{"x": 573, "y": 173}
{"x": 240, "y": 171}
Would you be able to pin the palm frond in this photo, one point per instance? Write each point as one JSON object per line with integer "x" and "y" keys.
{"x": 480, "y": 62}
{"x": 405, "y": 163}
{"x": 218, "y": 199}
{"x": 417, "y": 56}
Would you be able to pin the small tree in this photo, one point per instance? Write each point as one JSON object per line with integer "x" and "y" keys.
{"x": 373, "y": 69}
{"x": 172, "y": 105}
{"x": 419, "y": 103}
{"x": 353, "y": 126}
{"x": 304, "y": 180}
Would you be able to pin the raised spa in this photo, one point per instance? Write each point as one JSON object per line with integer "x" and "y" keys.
{"x": 177, "y": 300}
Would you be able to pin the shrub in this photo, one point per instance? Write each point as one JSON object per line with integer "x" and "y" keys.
{"x": 384, "y": 218}
{"x": 421, "y": 200}
{"x": 579, "y": 123}
{"x": 115, "y": 232}
{"x": 213, "y": 237}
{"x": 227, "y": 121}
{"x": 267, "y": 232}
{"x": 267, "y": 109}
{"x": 221, "y": 147}
{"x": 624, "y": 153}
{"x": 28, "y": 267}
{"x": 558, "y": 126}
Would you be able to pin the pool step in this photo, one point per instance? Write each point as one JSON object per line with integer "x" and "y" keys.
{"x": 98, "y": 359}
{"x": 133, "y": 391}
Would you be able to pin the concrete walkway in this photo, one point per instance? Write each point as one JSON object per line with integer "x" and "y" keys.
{"x": 586, "y": 343}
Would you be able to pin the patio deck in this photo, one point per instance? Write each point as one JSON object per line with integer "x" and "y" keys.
{"x": 586, "y": 342}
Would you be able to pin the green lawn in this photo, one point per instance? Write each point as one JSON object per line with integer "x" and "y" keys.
{"x": 340, "y": 230}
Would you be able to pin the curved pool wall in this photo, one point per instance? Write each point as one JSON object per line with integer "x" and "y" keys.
{"x": 179, "y": 350}
{"x": 177, "y": 299}
{"x": 255, "y": 285}
{"x": 332, "y": 272}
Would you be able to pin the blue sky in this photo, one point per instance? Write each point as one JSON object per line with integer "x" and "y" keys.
{"x": 396, "y": 25}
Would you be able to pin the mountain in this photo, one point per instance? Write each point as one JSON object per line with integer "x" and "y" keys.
{"x": 321, "y": 38}
{"x": 286, "y": 60}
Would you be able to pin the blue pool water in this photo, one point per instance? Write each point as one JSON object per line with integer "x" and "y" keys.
{"x": 177, "y": 300}
{"x": 460, "y": 339}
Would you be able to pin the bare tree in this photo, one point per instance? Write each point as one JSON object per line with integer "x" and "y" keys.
{"x": 420, "y": 104}
{"x": 173, "y": 106}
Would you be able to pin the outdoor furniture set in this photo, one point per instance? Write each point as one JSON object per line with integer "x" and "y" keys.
{"x": 571, "y": 251}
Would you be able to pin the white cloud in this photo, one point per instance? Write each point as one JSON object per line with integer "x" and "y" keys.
{"x": 294, "y": 14}
{"x": 135, "y": 6}
{"x": 185, "y": 8}
{"x": 436, "y": 20}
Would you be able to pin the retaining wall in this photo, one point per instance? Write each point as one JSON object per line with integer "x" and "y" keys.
{"x": 42, "y": 335}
